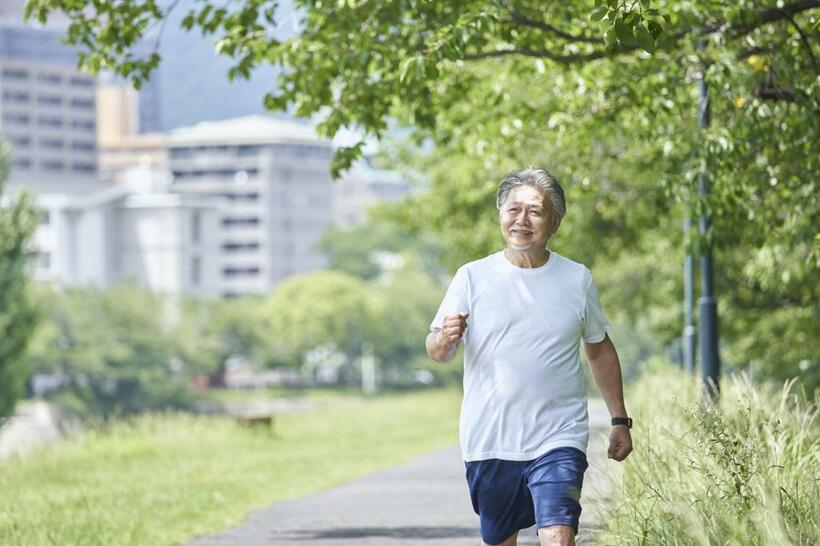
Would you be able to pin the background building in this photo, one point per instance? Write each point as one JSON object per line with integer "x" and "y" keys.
{"x": 273, "y": 175}
{"x": 100, "y": 234}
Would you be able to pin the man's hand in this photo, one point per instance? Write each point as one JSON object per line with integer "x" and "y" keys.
{"x": 452, "y": 329}
{"x": 620, "y": 443}
{"x": 442, "y": 343}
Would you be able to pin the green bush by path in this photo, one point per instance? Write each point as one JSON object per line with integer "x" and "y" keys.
{"x": 741, "y": 474}
{"x": 163, "y": 479}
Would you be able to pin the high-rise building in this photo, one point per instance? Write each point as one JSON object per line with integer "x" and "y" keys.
{"x": 47, "y": 108}
{"x": 273, "y": 176}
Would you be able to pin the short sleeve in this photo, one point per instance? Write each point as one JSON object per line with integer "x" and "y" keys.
{"x": 596, "y": 324}
{"x": 455, "y": 300}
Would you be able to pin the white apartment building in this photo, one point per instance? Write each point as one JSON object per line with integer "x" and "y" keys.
{"x": 97, "y": 234}
{"x": 274, "y": 178}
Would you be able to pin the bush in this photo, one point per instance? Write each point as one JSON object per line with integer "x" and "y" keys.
{"x": 741, "y": 472}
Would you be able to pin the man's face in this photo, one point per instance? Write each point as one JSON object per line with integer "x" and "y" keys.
{"x": 526, "y": 218}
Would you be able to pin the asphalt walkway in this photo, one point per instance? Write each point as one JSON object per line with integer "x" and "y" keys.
{"x": 421, "y": 503}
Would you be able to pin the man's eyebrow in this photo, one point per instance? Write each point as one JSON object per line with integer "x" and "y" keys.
{"x": 532, "y": 206}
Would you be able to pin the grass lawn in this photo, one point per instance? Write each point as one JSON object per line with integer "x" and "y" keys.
{"x": 163, "y": 479}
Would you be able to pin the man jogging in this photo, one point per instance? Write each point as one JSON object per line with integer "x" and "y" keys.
{"x": 522, "y": 314}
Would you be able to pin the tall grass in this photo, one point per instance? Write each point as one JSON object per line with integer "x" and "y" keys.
{"x": 162, "y": 479}
{"x": 743, "y": 472}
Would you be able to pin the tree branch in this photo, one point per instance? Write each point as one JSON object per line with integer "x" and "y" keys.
{"x": 543, "y": 53}
{"x": 806, "y": 43}
{"x": 519, "y": 18}
{"x": 767, "y": 16}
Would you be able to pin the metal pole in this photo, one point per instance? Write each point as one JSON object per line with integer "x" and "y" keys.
{"x": 709, "y": 358}
{"x": 689, "y": 338}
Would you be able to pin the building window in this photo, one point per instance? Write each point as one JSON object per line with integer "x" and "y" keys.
{"x": 15, "y": 73}
{"x": 196, "y": 270}
{"x": 51, "y": 143}
{"x": 15, "y": 96}
{"x": 49, "y": 78}
{"x": 242, "y": 197}
{"x": 49, "y": 121}
{"x": 81, "y": 146}
{"x": 180, "y": 153}
{"x": 82, "y": 103}
{"x": 240, "y": 222}
{"x": 196, "y": 227}
{"x": 82, "y": 123}
{"x": 52, "y": 165}
{"x": 22, "y": 164}
{"x": 83, "y": 167}
{"x": 20, "y": 141}
{"x": 18, "y": 119}
{"x": 240, "y": 247}
{"x": 50, "y": 100}
{"x": 78, "y": 81}
{"x": 248, "y": 150}
{"x": 235, "y": 271}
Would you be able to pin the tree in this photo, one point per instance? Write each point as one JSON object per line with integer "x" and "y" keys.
{"x": 325, "y": 308}
{"x": 18, "y": 313}
{"x": 604, "y": 88}
{"x": 115, "y": 350}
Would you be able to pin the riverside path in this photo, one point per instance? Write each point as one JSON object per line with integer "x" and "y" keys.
{"x": 420, "y": 503}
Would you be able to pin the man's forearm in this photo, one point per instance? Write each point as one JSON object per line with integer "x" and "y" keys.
{"x": 606, "y": 371}
{"x": 440, "y": 352}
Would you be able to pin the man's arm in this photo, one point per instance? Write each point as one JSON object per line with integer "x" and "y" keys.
{"x": 606, "y": 371}
{"x": 438, "y": 351}
{"x": 442, "y": 343}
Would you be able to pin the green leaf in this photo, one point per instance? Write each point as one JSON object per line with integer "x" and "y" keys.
{"x": 645, "y": 40}
{"x": 624, "y": 32}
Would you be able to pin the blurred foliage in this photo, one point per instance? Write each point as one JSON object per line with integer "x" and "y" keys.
{"x": 114, "y": 349}
{"x": 18, "y": 312}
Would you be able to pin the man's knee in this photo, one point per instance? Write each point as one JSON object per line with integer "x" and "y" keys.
{"x": 556, "y": 535}
{"x": 510, "y": 541}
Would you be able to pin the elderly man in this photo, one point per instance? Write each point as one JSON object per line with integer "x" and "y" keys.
{"x": 522, "y": 313}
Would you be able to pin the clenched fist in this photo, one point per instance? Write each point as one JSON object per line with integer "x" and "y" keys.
{"x": 452, "y": 329}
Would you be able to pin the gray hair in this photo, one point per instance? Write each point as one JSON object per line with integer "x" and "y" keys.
{"x": 539, "y": 178}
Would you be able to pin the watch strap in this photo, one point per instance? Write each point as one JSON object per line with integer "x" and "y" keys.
{"x": 627, "y": 421}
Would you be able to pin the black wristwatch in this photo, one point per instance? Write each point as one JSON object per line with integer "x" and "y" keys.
{"x": 622, "y": 421}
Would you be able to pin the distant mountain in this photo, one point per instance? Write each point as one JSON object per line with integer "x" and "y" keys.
{"x": 193, "y": 81}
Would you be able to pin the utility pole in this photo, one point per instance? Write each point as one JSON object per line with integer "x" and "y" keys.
{"x": 688, "y": 304}
{"x": 709, "y": 358}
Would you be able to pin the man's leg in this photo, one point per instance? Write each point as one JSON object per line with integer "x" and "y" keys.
{"x": 512, "y": 541}
{"x": 556, "y": 535}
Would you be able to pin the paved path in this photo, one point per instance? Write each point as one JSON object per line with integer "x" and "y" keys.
{"x": 420, "y": 503}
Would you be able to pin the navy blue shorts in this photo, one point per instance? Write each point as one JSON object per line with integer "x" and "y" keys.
{"x": 512, "y": 495}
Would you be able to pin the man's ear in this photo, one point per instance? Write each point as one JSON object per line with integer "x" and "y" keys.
{"x": 556, "y": 223}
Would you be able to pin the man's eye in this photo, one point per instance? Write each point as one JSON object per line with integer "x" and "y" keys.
{"x": 535, "y": 212}
{"x": 513, "y": 210}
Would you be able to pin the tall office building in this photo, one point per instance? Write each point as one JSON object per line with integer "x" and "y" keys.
{"x": 273, "y": 175}
{"x": 46, "y": 106}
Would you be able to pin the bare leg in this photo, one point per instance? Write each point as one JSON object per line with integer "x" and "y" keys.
{"x": 556, "y": 535}
{"x": 511, "y": 541}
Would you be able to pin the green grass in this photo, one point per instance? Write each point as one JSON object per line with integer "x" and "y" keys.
{"x": 224, "y": 396}
{"x": 744, "y": 473}
{"x": 163, "y": 479}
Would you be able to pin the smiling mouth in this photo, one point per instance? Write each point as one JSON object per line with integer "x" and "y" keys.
{"x": 521, "y": 232}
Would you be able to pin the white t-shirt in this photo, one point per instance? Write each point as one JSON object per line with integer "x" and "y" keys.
{"x": 524, "y": 390}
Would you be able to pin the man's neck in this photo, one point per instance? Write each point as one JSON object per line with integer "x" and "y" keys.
{"x": 527, "y": 259}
